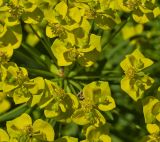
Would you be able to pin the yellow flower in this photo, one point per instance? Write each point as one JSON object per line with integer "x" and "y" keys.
{"x": 142, "y": 10}
{"x": 96, "y": 134}
{"x": 135, "y": 82}
{"x": 86, "y": 56}
{"x": 5, "y": 53}
{"x": 151, "y": 109}
{"x": 100, "y": 95}
{"x": 97, "y": 96}
{"x": 154, "y": 131}
{"x": 22, "y": 129}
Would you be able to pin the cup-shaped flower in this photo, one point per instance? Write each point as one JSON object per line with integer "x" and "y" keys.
{"x": 21, "y": 129}
{"x": 97, "y": 95}
{"x": 67, "y": 54}
{"x": 108, "y": 19}
{"x": 25, "y": 10}
{"x": 97, "y": 134}
{"x": 13, "y": 78}
{"x": 135, "y": 82}
{"x": 56, "y": 103}
{"x": 15, "y": 83}
{"x": 100, "y": 94}
{"x": 61, "y": 109}
{"x": 66, "y": 23}
{"x": 74, "y": 33}
{"x": 151, "y": 109}
{"x": 35, "y": 87}
{"x": 10, "y": 28}
{"x": 142, "y": 11}
{"x": 5, "y": 54}
{"x": 11, "y": 12}
{"x": 88, "y": 116}
{"x": 102, "y": 12}
{"x": 52, "y": 91}
{"x": 154, "y": 131}
{"x": 10, "y": 36}
{"x": 59, "y": 30}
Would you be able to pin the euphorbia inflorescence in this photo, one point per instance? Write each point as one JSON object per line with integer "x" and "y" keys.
{"x": 71, "y": 32}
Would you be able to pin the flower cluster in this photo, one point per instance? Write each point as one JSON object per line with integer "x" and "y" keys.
{"x": 56, "y": 103}
{"x": 71, "y": 32}
{"x": 70, "y": 22}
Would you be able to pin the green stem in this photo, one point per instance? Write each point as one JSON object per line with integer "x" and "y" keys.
{"x": 14, "y": 113}
{"x": 51, "y": 121}
{"x": 47, "y": 41}
{"x": 22, "y": 57}
{"x": 60, "y": 130}
{"x": 60, "y": 83}
{"x": 66, "y": 86}
{"x": 117, "y": 49}
{"x": 116, "y": 32}
{"x": 33, "y": 54}
{"x": 72, "y": 89}
{"x": 97, "y": 77}
{"x": 75, "y": 84}
{"x": 87, "y": 77}
{"x": 47, "y": 47}
{"x": 82, "y": 84}
{"x": 106, "y": 72}
{"x": 51, "y": 67}
{"x": 41, "y": 72}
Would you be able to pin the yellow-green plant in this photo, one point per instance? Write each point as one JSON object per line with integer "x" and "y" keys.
{"x": 59, "y": 66}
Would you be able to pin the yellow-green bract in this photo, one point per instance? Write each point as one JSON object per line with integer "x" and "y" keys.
{"x": 135, "y": 82}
